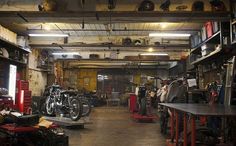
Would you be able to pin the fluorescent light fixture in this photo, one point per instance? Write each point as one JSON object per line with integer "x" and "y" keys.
{"x": 154, "y": 54}
{"x": 47, "y": 35}
{"x": 47, "y": 28}
{"x": 66, "y": 53}
{"x": 169, "y": 35}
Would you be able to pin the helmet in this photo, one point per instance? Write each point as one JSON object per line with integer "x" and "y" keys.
{"x": 127, "y": 42}
{"x": 146, "y": 5}
{"x": 217, "y": 5}
{"x": 198, "y": 6}
{"x": 5, "y": 53}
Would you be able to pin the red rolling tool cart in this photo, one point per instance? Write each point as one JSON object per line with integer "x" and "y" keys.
{"x": 23, "y": 96}
{"x": 133, "y": 103}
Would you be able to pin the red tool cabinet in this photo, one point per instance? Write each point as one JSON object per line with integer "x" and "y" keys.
{"x": 23, "y": 96}
{"x": 132, "y": 103}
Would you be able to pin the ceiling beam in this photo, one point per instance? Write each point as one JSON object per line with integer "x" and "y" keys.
{"x": 93, "y": 47}
{"x": 115, "y": 30}
{"x": 116, "y": 16}
{"x": 161, "y": 59}
{"x": 116, "y": 67}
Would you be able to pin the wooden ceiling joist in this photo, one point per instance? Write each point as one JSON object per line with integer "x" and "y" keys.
{"x": 176, "y": 47}
{"x": 116, "y": 16}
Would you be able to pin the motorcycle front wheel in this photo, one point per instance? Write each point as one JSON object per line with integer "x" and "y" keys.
{"x": 75, "y": 109}
{"x": 49, "y": 106}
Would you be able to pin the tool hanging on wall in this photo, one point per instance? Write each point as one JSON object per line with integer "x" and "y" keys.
{"x": 82, "y": 4}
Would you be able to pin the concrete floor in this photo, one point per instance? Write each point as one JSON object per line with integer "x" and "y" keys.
{"x": 113, "y": 126}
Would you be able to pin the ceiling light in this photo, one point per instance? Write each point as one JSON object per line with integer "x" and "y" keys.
{"x": 169, "y": 35}
{"x": 48, "y": 35}
{"x": 163, "y": 24}
{"x": 150, "y": 49}
{"x": 154, "y": 54}
{"x": 66, "y": 53}
{"x": 46, "y": 27}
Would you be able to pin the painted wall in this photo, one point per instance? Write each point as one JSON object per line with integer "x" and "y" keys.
{"x": 37, "y": 78}
{"x": 80, "y": 78}
{"x": 87, "y": 78}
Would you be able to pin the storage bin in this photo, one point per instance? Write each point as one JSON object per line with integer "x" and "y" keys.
{"x": 215, "y": 26}
{"x": 203, "y": 33}
{"x": 207, "y": 49}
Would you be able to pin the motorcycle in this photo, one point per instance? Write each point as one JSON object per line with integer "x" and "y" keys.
{"x": 66, "y": 102}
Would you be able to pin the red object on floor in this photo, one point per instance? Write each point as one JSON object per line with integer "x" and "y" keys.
{"x": 6, "y": 101}
{"x": 17, "y": 129}
{"x": 132, "y": 103}
{"x": 22, "y": 129}
{"x": 147, "y": 118}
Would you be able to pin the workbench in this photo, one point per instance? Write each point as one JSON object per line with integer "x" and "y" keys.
{"x": 195, "y": 110}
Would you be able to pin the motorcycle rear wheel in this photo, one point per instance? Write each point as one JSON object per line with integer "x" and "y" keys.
{"x": 86, "y": 108}
{"x": 75, "y": 109}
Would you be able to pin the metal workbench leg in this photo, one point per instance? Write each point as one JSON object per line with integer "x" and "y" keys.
{"x": 172, "y": 125}
{"x": 185, "y": 129}
{"x": 193, "y": 131}
{"x": 177, "y": 127}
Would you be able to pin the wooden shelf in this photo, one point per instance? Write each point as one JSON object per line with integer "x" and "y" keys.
{"x": 9, "y": 45}
{"x": 12, "y": 60}
{"x": 212, "y": 54}
{"x": 217, "y": 34}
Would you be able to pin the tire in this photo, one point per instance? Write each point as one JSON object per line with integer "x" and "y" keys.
{"x": 49, "y": 107}
{"x": 42, "y": 109}
{"x": 86, "y": 108}
{"x": 75, "y": 109}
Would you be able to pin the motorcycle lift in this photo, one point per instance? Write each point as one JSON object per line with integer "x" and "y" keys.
{"x": 67, "y": 122}
{"x": 143, "y": 118}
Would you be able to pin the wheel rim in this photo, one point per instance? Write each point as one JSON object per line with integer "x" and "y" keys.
{"x": 74, "y": 112}
{"x": 49, "y": 106}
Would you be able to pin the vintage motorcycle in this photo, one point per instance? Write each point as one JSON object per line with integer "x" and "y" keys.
{"x": 66, "y": 102}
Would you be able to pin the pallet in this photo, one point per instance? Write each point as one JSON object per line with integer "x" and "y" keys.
{"x": 63, "y": 121}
